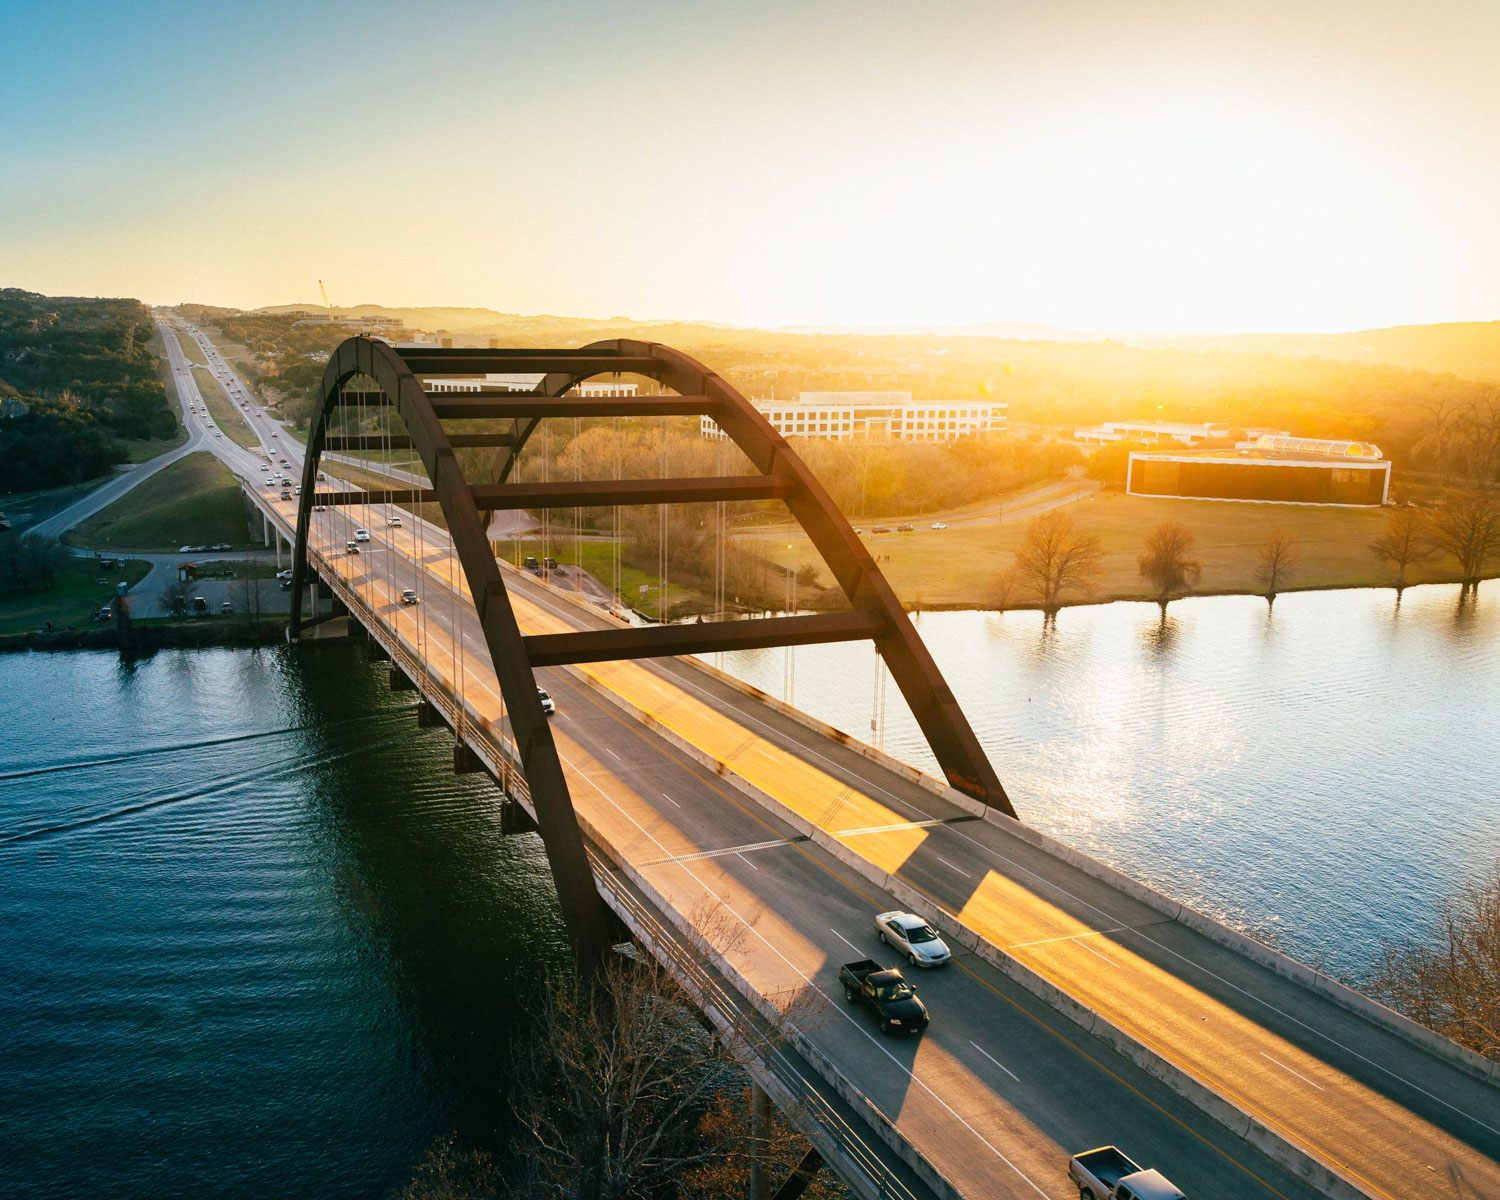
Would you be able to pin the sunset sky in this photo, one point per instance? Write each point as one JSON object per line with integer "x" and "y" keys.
{"x": 1192, "y": 166}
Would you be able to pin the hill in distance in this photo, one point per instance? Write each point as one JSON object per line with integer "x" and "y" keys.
{"x": 1467, "y": 349}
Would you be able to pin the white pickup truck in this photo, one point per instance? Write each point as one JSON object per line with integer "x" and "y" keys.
{"x": 1109, "y": 1174}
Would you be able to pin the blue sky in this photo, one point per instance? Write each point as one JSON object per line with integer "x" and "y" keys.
{"x": 1162, "y": 165}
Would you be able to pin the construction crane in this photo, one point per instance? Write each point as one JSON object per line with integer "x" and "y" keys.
{"x": 327, "y": 303}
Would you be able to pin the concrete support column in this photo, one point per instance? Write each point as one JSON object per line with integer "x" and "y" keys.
{"x": 265, "y": 530}
{"x": 278, "y": 550}
{"x": 760, "y": 1134}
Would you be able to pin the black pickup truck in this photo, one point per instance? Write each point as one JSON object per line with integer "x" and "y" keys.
{"x": 886, "y": 991}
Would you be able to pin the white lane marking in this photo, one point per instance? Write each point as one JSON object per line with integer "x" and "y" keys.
{"x": 995, "y": 1060}
{"x": 669, "y": 800}
{"x": 746, "y": 861}
{"x": 1290, "y": 1070}
{"x": 1068, "y": 937}
{"x": 898, "y": 826}
{"x": 617, "y": 758}
{"x": 846, "y": 941}
{"x": 952, "y": 866}
{"x": 1096, "y": 953}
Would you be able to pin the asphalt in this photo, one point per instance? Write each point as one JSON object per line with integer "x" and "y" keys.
{"x": 1002, "y": 1088}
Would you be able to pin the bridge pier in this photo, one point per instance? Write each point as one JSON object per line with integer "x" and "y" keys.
{"x": 378, "y": 653}
{"x": 429, "y": 715}
{"x": 400, "y": 680}
{"x": 515, "y": 819}
{"x": 465, "y": 761}
{"x": 760, "y": 1133}
{"x": 802, "y": 1175}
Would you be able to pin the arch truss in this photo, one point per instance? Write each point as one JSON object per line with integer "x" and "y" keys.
{"x": 690, "y": 389}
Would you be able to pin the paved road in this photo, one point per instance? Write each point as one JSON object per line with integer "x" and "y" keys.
{"x": 199, "y": 434}
{"x": 1001, "y": 1088}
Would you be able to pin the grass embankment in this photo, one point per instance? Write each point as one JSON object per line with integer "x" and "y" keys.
{"x": 225, "y": 412}
{"x": 597, "y": 558}
{"x": 83, "y": 587}
{"x": 956, "y": 567}
{"x": 193, "y": 502}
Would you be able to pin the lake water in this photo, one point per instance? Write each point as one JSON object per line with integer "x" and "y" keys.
{"x": 256, "y": 939}
{"x": 1321, "y": 773}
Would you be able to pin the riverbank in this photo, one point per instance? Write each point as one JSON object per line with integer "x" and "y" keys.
{"x": 959, "y": 567}
{"x": 149, "y": 636}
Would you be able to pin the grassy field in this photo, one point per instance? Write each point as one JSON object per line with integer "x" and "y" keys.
{"x": 956, "y": 567}
{"x": 597, "y": 558}
{"x": 195, "y": 501}
{"x": 226, "y": 413}
{"x": 82, "y": 588}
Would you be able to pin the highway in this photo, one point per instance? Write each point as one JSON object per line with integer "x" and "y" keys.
{"x": 1002, "y": 1087}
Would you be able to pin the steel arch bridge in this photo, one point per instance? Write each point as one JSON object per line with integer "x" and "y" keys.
{"x": 690, "y": 390}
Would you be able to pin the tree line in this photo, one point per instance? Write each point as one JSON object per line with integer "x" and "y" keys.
{"x": 1056, "y": 558}
{"x": 78, "y": 380}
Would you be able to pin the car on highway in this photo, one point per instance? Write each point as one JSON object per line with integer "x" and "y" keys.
{"x": 905, "y": 528}
{"x": 285, "y": 494}
{"x": 940, "y": 525}
{"x": 221, "y": 546}
{"x": 350, "y": 548}
{"x": 270, "y": 483}
{"x": 1108, "y": 1173}
{"x": 409, "y": 596}
{"x": 286, "y": 574}
{"x": 298, "y": 489}
{"x": 909, "y": 934}
{"x": 320, "y": 508}
{"x": 548, "y": 705}
{"x": 361, "y": 535}
{"x": 885, "y": 992}
{"x": 880, "y": 529}
{"x": 394, "y": 523}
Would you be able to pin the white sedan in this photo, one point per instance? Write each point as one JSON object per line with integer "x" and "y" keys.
{"x": 913, "y": 937}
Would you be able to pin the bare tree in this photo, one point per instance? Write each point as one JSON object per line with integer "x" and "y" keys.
{"x": 620, "y": 1076}
{"x": 1003, "y": 587}
{"x": 1469, "y": 529}
{"x": 245, "y": 592}
{"x": 1404, "y": 543}
{"x": 1452, "y": 983}
{"x": 1055, "y": 557}
{"x": 1168, "y": 561}
{"x": 1277, "y": 559}
{"x": 174, "y": 597}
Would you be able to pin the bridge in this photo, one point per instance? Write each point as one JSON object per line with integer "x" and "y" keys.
{"x": 749, "y": 847}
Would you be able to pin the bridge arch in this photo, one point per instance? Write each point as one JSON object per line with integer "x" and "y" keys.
{"x": 875, "y": 613}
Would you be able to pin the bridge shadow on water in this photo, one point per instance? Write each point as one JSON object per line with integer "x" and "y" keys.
{"x": 458, "y": 925}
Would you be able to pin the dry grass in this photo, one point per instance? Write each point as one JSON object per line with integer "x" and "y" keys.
{"x": 955, "y": 568}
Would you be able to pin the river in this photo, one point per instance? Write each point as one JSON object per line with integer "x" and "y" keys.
{"x": 257, "y": 940}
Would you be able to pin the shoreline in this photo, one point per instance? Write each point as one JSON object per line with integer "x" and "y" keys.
{"x": 146, "y": 639}
{"x": 1209, "y": 593}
